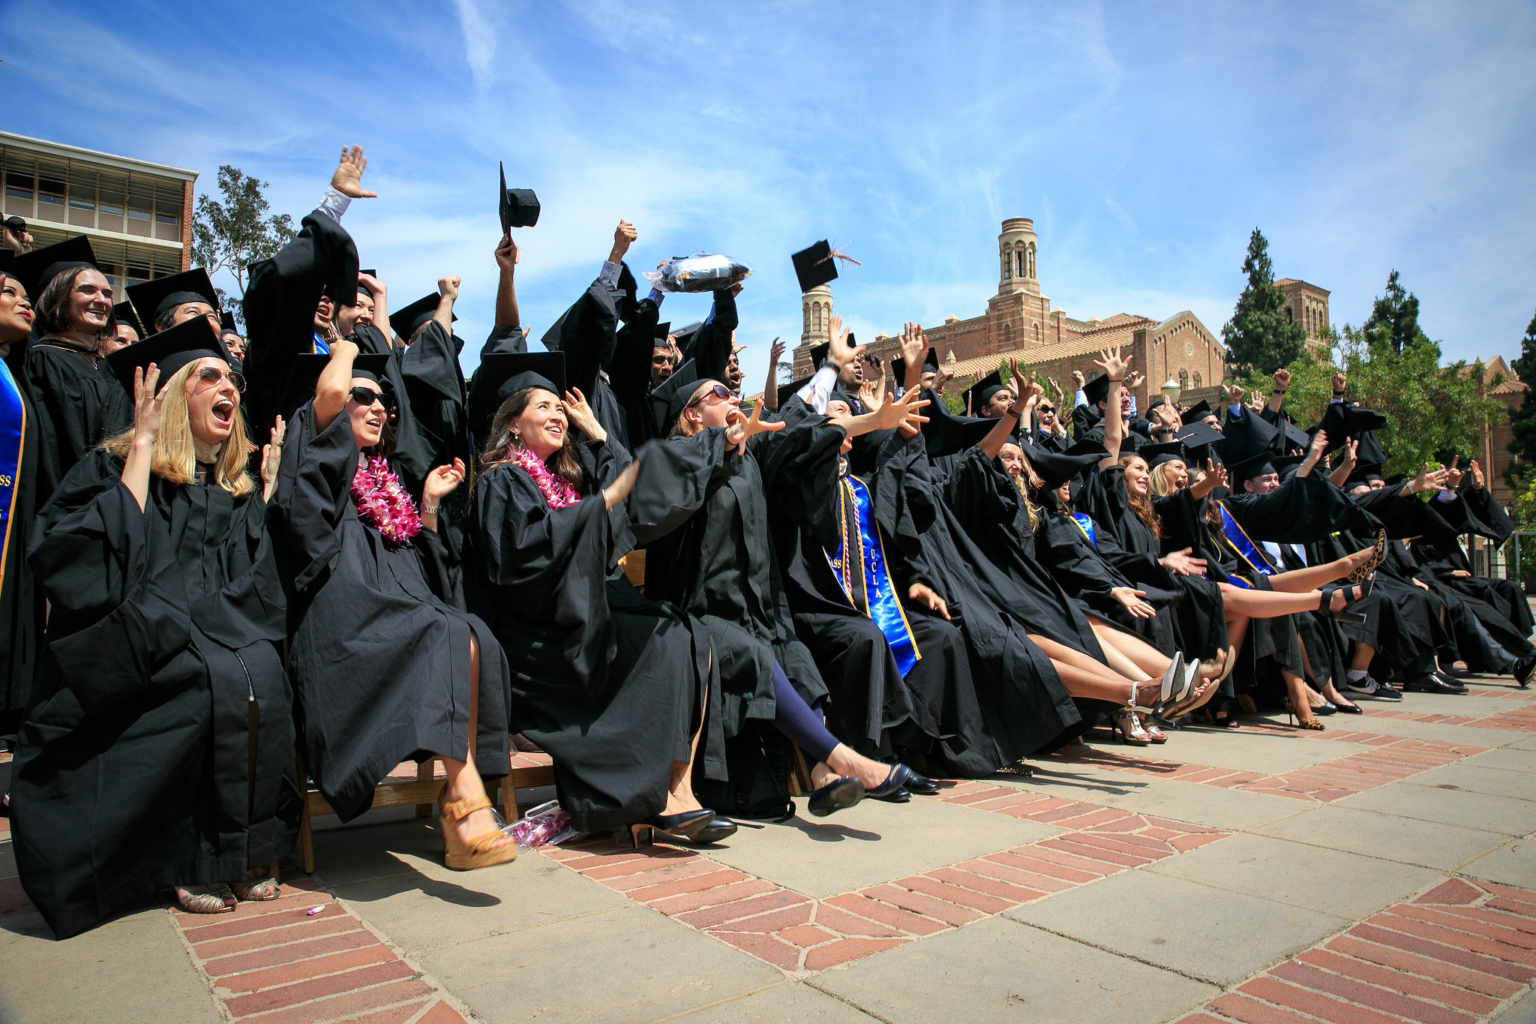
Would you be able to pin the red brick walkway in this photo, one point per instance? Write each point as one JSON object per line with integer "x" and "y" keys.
{"x": 1456, "y": 955}
{"x": 275, "y": 963}
{"x": 800, "y": 933}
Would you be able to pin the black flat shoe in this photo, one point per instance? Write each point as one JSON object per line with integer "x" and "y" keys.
{"x": 1434, "y": 683}
{"x": 921, "y": 785}
{"x": 900, "y": 775}
{"x": 837, "y": 795}
{"x": 1328, "y": 708}
{"x": 901, "y": 796}
{"x": 1525, "y": 668}
{"x": 1349, "y": 709}
{"x": 721, "y": 828}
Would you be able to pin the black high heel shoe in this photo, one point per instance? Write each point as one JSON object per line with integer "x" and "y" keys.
{"x": 682, "y": 826}
{"x": 1325, "y": 600}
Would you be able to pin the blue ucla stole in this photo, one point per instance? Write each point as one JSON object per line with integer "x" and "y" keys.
{"x": 859, "y": 565}
{"x": 1085, "y": 523}
{"x": 13, "y": 431}
{"x": 1246, "y": 549}
{"x": 321, "y": 348}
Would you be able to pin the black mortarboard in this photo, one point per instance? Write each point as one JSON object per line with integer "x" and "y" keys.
{"x": 1251, "y": 468}
{"x": 405, "y": 322}
{"x": 1056, "y": 468}
{"x": 662, "y": 330}
{"x": 1199, "y": 434}
{"x": 500, "y": 376}
{"x": 839, "y": 395}
{"x": 1286, "y": 465}
{"x": 362, "y": 287}
{"x": 519, "y": 207}
{"x": 1342, "y": 421}
{"x": 125, "y": 315}
{"x": 227, "y": 322}
{"x": 16, "y": 223}
{"x": 36, "y": 268}
{"x": 171, "y": 349}
{"x": 670, "y": 399}
{"x": 152, "y": 298}
{"x": 1248, "y": 435}
{"x": 1097, "y": 390}
{"x": 815, "y": 266}
{"x": 1294, "y": 436}
{"x": 978, "y": 394}
{"x": 946, "y": 433}
{"x": 304, "y": 373}
{"x": 819, "y": 355}
{"x": 899, "y": 366}
{"x": 787, "y": 391}
{"x": 1199, "y": 411}
{"x": 1363, "y": 473}
{"x": 1157, "y": 454}
{"x": 684, "y": 337}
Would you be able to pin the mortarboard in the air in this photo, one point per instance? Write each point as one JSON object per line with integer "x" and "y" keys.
{"x": 815, "y": 266}
{"x": 304, "y": 373}
{"x": 519, "y": 207}
{"x": 170, "y": 350}
{"x": 36, "y": 268}
{"x": 980, "y": 393}
{"x": 670, "y": 399}
{"x": 787, "y": 391}
{"x": 819, "y": 354}
{"x": 899, "y": 366}
{"x": 1056, "y": 468}
{"x": 152, "y": 298}
{"x": 1247, "y": 435}
{"x": 125, "y": 315}
{"x": 1294, "y": 436}
{"x": 1157, "y": 454}
{"x": 1343, "y": 421}
{"x": 500, "y": 376}
{"x": 1199, "y": 411}
{"x": 407, "y": 321}
{"x": 1202, "y": 443}
{"x": 1097, "y": 390}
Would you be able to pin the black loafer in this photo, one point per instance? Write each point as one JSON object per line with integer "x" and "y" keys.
{"x": 921, "y": 785}
{"x": 899, "y": 776}
{"x": 1525, "y": 668}
{"x": 1434, "y": 683}
{"x": 837, "y": 795}
{"x": 901, "y": 796}
{"x": 1328, "y": 708}
{"x": 1349, "y": 709}
{"x": 721, "y": 828}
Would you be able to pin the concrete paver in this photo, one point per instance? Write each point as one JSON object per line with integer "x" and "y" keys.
{"x": 1388, "y": 836}
{"x": 1513, "y": 864}
{"x": 792, "y": 1000}
{"x": 1427, "y": 803}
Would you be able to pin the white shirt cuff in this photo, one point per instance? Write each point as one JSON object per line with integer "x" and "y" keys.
{"x": 333, "y": 204}
{"x": 609, "y": 275}
{"x": 818, "y": 392}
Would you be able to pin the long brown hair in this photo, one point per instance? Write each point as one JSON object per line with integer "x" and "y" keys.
{"x": 499, "y": 446}
{"x": 1141, "y": 504}
{"x": 52, "y": 306}
{"x": 174, "y": 458}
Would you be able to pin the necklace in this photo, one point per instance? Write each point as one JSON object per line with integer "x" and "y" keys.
{"x": 557, "y": 490}
{"x": 383, "y": 504}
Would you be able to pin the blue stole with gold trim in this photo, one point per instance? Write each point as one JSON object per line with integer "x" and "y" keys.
{"x": 1085, "y": 523}
{"x": 13, "y": 433}
{"x": 1247, "y": 550}
{"x": 860, "y": 567}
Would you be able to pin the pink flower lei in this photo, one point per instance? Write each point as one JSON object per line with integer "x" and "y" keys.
{"x": 383, "y": 504}
{"x": 557, "y": 490}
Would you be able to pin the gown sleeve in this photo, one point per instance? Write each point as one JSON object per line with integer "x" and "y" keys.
{"x": 675, "y": 479}
{"x": 313, "y": 489}
{"x": 629, "y": 373}
{"x": 710, "y": 349}
{"x": 1302, "y": 510}
{"x": 587, "y": 333}
{"x": 434, "y": 386}
{"x": 110, "y": 626}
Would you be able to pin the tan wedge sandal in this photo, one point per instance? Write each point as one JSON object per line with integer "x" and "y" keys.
{"x": 479, "y": 852}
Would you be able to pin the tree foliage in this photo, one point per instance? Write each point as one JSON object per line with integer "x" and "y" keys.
{"x": 234, "y": 233}
{"x": 1523, "y": 419}
{"x": 1395, "y": 316}
{"x": 1262, "y": 336}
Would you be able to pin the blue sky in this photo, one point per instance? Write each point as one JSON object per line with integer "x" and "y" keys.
{"x": 1145, "y": 139}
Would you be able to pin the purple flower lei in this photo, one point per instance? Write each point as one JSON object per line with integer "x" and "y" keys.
{"x": 557, "y": 490}
{"x": 383, "y": 504}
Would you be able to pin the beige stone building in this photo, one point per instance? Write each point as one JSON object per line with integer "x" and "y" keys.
{"x": 1020, "y": 322}
{"x": 1307, "y": 304}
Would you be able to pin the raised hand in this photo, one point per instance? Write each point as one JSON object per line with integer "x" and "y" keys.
{"x": 448, "y": 287}
{"x": 1282, "y": 379}
{"x": 271, "y": 458}
{"x": 740, "y": 429}
{"x": 148, "y": 404}
{"x": 1133, "y": 381}
{"x": 1477, "y": 475}
{"x": 868, "y": 398}
{"x": 1077, "y": 378}
{"x": 903, "y": 411}
{"x": 1340, "y": 381}
{"x": 623, "y": 237}
{"x": 775, "y": 352}
{"x": 1235, "y": 394}
{"x": 507, "y": 254}
{"x": 580, "y": 415}
{"x": 1113, "y": 365}
{"x": 1214, "y": 476}
{"x": 1430, "y": 478}
{"x": 1453, "y": 475}
{"x": 441, "y": 482}
{"x": 840, "y": 352}
{"x": 349, "y": 174}
{"x": 622, "y": 485}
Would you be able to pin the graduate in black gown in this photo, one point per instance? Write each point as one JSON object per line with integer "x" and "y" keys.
{"x": 158, "y": 749}
{"x": 387, "y": 664}
{"x": 78, "y": 403}
{"x": 619, "y": 690}
{"x": 21, "y": 602}
{"x": 699, "y": 507}
{"x": 367, "y": 324}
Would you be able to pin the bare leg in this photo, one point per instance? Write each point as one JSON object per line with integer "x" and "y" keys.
{"x": 1237, "y": 627}
{"x": 1262, "y": 604}
{"x": 680, "y": 796}
{"x": 1360, "y": 657}
{"x": 1314, "y": 699}
{"x": 1146, "y": 659}
{"x": 464, "y": 781}
{"x": 1297, "y": 688}
{"x": 1297, "y": 581}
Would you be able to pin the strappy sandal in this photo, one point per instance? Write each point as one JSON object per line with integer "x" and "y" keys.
{"x": 217, "y": 900}
{"x": 1155, "y": 734}
{"x": 256, "y": 889}
{"x": 1350, "y": 597}
{"x": 1363, "y": 572}
{"x": 1127, "y": 729}
{"x": 479, "y": 852}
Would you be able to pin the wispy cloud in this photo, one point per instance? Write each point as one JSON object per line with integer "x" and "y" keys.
{"x": 479, "y": 39}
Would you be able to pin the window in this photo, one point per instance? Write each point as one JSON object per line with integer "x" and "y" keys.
{"x": 1007, "y": 266}
{"x": 1037, "y": 333}
{"x": 1197, "y": 380}
{"x": 1018, "y": 258}
{"x": 1183, "y": 380}
{"x": 1007, "y": 337}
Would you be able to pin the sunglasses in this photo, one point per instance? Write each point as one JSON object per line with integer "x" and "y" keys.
{"x": 209, "y": 377}
{"x": 720, "y": 391}
{"x": 367, "y": 396}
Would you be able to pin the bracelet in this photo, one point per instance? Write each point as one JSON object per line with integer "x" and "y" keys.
{"x": 1116, "y": 380}
{"x": 430, "y": 510}
{"x": 1338, "y": 394}
{"x": 1277, "y": 391}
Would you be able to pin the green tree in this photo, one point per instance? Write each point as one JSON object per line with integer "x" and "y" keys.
{"x": 1395, "y": 317}
{"x": 1523, "y": 420}
{"x": 232, "y": 234}
{"x": 1262, "y": 335}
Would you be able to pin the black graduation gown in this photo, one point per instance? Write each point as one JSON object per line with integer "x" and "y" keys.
{"x": 1024, "y": 706}
{"x": 629, "y": 372}
{"x": 414, "y": 452}
{"x": 610, "y": 684}
{"x": 439, "y": 400}
{"x": 1086, "y": 569}
{"x": 710, "y": 346}
{"x": 133, "y": 771}
{"x": 1474, "y": 512}
{"x": 21, "y": 602}
{"x": 380, "y": 638}
{"x": 700, "y": 510}
{"x": 587, "y": 333}
{"x": 79, "y": 404}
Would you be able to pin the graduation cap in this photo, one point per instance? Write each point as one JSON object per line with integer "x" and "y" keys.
{"x": 304, "y": 373}
{"x": 819, "y": 355}
{"x": 685, "y": 336}
{"x": 815, "y": 266}
{"x": 1363, "y": 473}
{"x": 979, "y": 394}
{"x": 1294, "y": 436}
{"x": 899, "y": 366}
{"x": 1196, "y": 413}
{"x": 670, "y": 399}
{"x": 1202, "y": 443}
{"x": 1343, "y": 421}
{"x": 1158, "y": 454}
{"x": 170, "y": 350}
{"x": 1248, "y": 435}
{"x": 1286, "y": 465}
{"x": 227, "y": 323}
{"x": 662, "y": 330}
{"x": 152, "y": 298}
{"x": 407, "y": 321}
{"x": 787, "y": 391}
{"x": 1057, "y": 468}
{"x": 946, "y": 433}
{"x": 500, "y": 376}
{"x": 36, "y": 268}
{"x": 1097, "y": 390}
{"x": 1252, "y": 467}
{"x": 519, "y": 206}
{"x": 126, "y": 315}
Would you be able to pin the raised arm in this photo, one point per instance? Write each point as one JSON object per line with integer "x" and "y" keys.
{"x": 1314, "y": 454}
{"x": 1114, "y": 424}
{"x": 1277, "y": 395}
{"x": 1346, "y": 463}
{"x": 447, "y": 294}
{"x": 771, "y": 388}
{"x": 507, "y": 258}
{"x": 334, "y": 384}
{"x": 1028, "y": 395}
{"x": 914, "y": 349}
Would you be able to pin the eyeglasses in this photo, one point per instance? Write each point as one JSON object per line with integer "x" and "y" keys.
{"x": 367, "y": 396}
{"x": 720, "y": 391}
{"x": 211, "y": 377}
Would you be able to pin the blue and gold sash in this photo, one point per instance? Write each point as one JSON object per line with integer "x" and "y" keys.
{"x": 861, "y": 571}
{"x": 1246, "y": 549}
{"x": 321, "y": 348}
{"x": 13, "y": 433}
{"x": 1085, "y": 523}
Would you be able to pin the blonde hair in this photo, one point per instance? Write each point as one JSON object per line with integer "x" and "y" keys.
{"x": 1029, "y": 506}
{"x": 1162, "y": 480}
{"x": 174, "y": 457}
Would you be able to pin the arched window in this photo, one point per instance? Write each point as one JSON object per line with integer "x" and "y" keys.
{"x": 1018, "y": 260}
{"x": 1183, "y": 380}
{"x": 1007, "y": 337}
{"x": 1007, "y": 264}
{"x": 1031, "y": 272}
{"x": 816, "y": 325}
{"x": 1037, "y": 332}
{"x": 1197, "y": 380}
